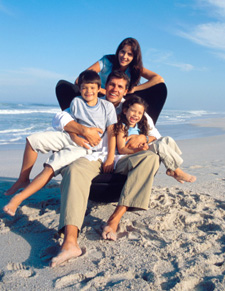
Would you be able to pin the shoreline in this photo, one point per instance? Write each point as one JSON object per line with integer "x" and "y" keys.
{"x": 178, "y": 243}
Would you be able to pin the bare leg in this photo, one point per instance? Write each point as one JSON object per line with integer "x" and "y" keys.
{"x": 29, "y": 158}
{"x": 70, "y": 248}
{"x": 39, "y": 181}
{"x": 109, "y": 231}
{"x": 181, "y": 176}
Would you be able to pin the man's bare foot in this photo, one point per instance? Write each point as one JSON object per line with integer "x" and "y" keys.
{"x": 12, "y": 206}
{"x": 68, "y": 251}
{"x": 109, "y": 233}
{"x": 16, "y": 186}
{"x": 181, "y": 176}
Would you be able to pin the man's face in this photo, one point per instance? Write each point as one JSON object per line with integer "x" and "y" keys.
{"x": 115, "y": 90}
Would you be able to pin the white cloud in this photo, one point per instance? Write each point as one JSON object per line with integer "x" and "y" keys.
{"x": 4, "y": 9}
{"x": 211, "y": 35}
{"x": 166, "y": 58}
{"x": 217, "y": 6}
{"x": 28, "y": 76}
{"x": 182, "y": 66}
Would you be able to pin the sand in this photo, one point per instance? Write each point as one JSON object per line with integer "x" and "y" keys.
{"x": 178, "y": 244}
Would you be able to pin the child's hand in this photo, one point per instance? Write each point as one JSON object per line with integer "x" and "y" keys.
{"x": 108, "y": 166}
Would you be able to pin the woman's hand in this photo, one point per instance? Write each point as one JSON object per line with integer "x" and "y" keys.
{"x": 102, "y": 91}
{"x": 134, "y": 89}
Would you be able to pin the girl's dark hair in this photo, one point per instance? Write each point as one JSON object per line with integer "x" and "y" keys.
{"x": 123, "y": 123}
{"x": 135, "y": 66}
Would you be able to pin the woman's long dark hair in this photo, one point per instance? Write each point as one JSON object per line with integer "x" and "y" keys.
{"x": 135, "y": 66}
{"x": 123, "y": 124}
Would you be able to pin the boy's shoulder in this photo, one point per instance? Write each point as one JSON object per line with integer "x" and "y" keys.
{"x": 105, "y": 102}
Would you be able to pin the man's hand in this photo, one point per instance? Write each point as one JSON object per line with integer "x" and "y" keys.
{"x": 108, "y": 166}
{"x": 91, "y": 134}
{"x": 144, "y": 147}
{"x": 135, "y": 141}
{"x": 79, "y": 140}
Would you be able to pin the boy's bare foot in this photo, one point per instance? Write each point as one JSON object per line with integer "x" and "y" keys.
{"x": 68, "y": 251}
{"x": 16, "y": 186}
{"x": 12, "y": 206}
{"x": 109, "y": 233}
{"x": 181, "y": 176}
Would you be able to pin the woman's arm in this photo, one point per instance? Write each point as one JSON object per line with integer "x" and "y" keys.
{"x": 152, "y": 78}
{"x": 95, "y": 67}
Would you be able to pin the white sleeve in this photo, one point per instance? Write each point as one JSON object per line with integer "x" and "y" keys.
{"x": 153, "y": 130}
{"x": 61, "y": 119}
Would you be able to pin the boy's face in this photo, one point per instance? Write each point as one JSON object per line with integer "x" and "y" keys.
{"x": 89, "y": 92}
{"x": 115, "y": 90}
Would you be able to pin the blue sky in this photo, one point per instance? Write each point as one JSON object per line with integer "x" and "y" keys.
{"x": 44, "y": 41}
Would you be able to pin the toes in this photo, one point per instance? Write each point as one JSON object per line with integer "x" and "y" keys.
{"x": 8, "y": 211}
{"x": 109, "y": 234}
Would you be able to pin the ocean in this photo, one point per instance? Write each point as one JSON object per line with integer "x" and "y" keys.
{"x": 20, "y": 120}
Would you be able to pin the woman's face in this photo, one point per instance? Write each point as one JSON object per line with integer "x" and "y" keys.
{"x": 125, "y": 56}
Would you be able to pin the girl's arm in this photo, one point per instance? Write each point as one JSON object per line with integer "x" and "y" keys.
{"x": 95, "y": 67}
{"x": 152, "y": 78}
{"x": 108, "y": 165}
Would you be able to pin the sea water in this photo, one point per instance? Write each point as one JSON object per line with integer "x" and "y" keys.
{"x": 20, "y": 120}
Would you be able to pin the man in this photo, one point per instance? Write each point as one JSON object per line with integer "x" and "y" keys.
{"x": 140, "y": 169}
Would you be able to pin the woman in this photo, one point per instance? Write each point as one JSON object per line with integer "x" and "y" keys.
{"x": 128, "y": 58}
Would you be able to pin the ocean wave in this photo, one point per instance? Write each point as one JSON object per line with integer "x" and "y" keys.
{"x": 28, "y": 111}
{"x": 16, "y": 130}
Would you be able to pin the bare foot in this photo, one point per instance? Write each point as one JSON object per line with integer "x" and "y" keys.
{"x": 12, "y": 206}
{"x": 109, "y": 233}
{"x": 67, "y": 252}
{"x": 16, "y": 186}
{"x": 181, "y": 176}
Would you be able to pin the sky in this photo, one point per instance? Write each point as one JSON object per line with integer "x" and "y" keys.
{"x": 42, "y": 42}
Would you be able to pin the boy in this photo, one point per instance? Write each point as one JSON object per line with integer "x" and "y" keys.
{"x": 87, "y": 110}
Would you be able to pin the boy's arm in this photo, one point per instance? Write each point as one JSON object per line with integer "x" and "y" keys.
{"x": 108, "y": 165}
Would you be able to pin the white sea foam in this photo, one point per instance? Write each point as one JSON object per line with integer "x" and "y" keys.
{"x": 28, "y": 111}
{"x": 17, "y": 121}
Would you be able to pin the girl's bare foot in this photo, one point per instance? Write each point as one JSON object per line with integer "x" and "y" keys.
{"x": 16, "y": 186}
{"x": 109, "y": 233}
{"x": 12, "y": 206}
{"x": 68, "y": 251}
{"x": 181, "y": 176}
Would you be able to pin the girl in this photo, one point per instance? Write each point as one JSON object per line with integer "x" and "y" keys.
{"x": 128, "y": 58}
{"x": 133, "y": 121}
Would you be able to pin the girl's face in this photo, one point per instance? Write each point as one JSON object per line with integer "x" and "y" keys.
{"x": 134, "y": 114}
{"x": 125, "y": 56}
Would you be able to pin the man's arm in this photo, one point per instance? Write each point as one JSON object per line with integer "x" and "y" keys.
{"x": 64, "y": 121}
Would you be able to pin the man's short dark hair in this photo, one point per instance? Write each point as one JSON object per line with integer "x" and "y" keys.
{"x": 89, "y": 76}
{"x": 118, "y": 75}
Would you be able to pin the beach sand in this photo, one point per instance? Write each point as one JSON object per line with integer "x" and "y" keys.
{"x": 178, "y": 244}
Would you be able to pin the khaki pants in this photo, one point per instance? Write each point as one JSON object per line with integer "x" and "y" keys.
{"x": 168, "y": 151}
{"x": 140, "y": 169}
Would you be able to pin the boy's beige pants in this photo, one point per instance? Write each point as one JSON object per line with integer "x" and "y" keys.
{"x": 140, "y": 169}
